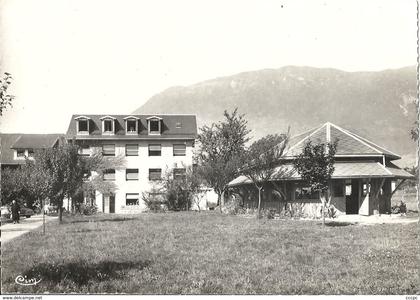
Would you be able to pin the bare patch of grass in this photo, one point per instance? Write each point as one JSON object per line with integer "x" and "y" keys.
{"x": 82, "y": 272}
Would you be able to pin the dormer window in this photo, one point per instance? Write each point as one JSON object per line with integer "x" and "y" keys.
{"x": 131, "y": 125}
{"x": 24, "y": 153}
{"x": 31, "y": 153}
{"x": 154, "y": 124}
{"x": 82, "y": 125}
{"x": 20, "y": 153}
{"x": 108, "y": 125}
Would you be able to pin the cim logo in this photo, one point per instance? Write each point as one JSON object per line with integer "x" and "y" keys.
{"x": 23, "y": 280}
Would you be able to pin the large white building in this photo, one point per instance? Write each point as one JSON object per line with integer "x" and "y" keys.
{"x": 151, "y": 145}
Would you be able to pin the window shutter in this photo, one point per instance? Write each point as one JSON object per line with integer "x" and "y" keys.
{"x": 155, "y": 147}
{"x": 155, "y": 150}
{"x": 180, "y": 149}
{"x": 109, "y": 175}
{"x": 132, "y": 149}
{"x": 84, "y": 150}
{"x": 180, "y": 174}
{"x": 108, "y": 149}
{"x": 132, "y": 174}
{"x": 155, "y": 174}
{"x": 132, "y": 199}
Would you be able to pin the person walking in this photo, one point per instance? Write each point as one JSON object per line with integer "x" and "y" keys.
{"x": 15, "y": 211}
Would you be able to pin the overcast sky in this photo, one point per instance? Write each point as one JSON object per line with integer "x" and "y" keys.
{"x": 109, "y": 57}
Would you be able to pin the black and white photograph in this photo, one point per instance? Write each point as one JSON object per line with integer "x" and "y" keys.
{"x": 209, "y": 147}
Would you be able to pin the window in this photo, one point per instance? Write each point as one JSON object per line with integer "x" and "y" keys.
{"x": 155, "y": 150}
{"x": 20, "y": 153}
{"x": 155, "y": 174}
{"x": 366, "y": 188}
{"x": 30, "y": 152}
{"x": 131, "y": 150}
{"x": 109, "y": 175}
{"x": 154, "y": 125}
{"x": 180, "y": 149}
{"x": 108, "y": 150}
{"x": 83, "y": 126}
{"x": 180, "y": 174}
{"x": 132, "y": 199}
{"x": 84, "y": 150}
{"x": 305, "y": 192}
{"x": 131, "y": 126}
{"x": 132, "y": 174}
{"x": 108, "y": 124}
{"x": 348, "y": 189}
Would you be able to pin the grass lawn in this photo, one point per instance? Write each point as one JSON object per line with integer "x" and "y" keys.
{"x": 209, "y": 253}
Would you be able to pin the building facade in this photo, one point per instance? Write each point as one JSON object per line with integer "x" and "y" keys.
{"x": 361, "y": 182}
{"x": 149, "y": 146}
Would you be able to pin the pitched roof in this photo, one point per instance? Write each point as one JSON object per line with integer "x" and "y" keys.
{"x": 362, "y": 169}
{"x": 36, "y": 141}
{"x": 349, "y": 143}
{"x": 10, "y": 141}
{"x": 173, "y": 127}
{"x": 6, "y": 152}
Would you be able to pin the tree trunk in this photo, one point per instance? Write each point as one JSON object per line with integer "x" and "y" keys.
{"x": 219, "y": 202}
{"x": 60, "y": 214}
{"x": 259, "y": 202}
{"x": 323, "y": 208}
{"x": 43, "y": 215}
{"x": 60, "y": 210}
{"x": 222, "y": 200}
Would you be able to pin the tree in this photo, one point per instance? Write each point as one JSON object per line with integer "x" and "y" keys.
{"x": 5, "y": 98}
{"x": 264, "y": 158}
{"x": 13, "y": 185}
{"x": 176, "y": 190}
{"x": 180, "y": 189}
{"x": 316, "y": 165}
{"x": 61, "y": 171}
{"x": 222, "y": 146}
{"x": 94, "y": 167}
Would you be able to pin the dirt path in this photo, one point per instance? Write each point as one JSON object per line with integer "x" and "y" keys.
{"x": 10, "y": 231}
{"x": 378, "y": 219}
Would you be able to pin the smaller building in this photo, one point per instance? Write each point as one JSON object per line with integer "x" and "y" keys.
{"x": 361, "y": 182}
{"x": 16, "y": 147}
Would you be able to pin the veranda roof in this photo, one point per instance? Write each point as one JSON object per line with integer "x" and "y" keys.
{"x": 343, "y": 170}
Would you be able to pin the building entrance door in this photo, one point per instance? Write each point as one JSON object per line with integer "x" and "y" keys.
{"x": 352, "y": 197}
{"x": 112, "y": 203}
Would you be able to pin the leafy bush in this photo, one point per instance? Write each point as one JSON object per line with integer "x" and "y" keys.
{"x": 89, "y": 209}
{"x": 154, "y": 201}
{"x": 400, "y": 208}
{"x": 178, "y": 198}
{"x": 269, "y": 213}
{"x": 292, "y": 210}
{"x": 232, "y": 207}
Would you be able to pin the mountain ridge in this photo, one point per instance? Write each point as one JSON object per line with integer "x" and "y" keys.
{"x": 378, "y": 105}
